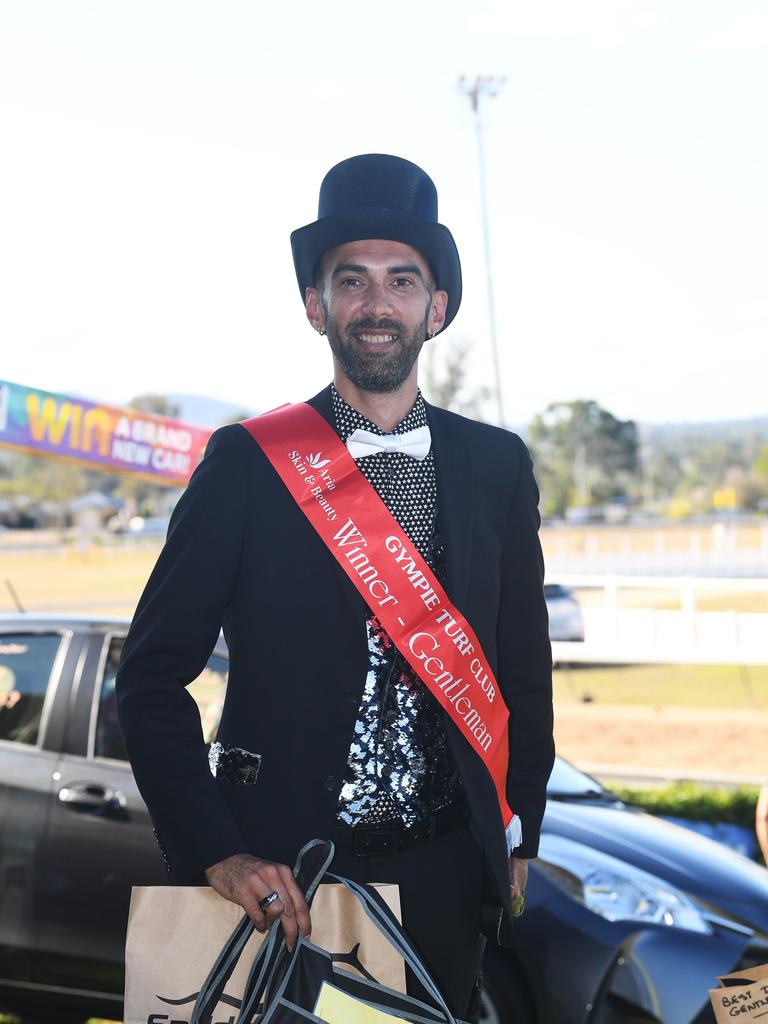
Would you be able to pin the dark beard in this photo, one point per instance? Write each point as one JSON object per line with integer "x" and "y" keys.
{"x": 371, "y": 371}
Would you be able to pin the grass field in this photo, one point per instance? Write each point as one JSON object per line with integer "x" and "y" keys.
{"x": 702, "y": 686}
{"x": 668, "y": 599}
{"x": 104, "y": 579}
{"x": 109, "y": 580}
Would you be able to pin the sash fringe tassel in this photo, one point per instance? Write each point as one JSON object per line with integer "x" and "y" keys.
{"x": 514, "y": 833}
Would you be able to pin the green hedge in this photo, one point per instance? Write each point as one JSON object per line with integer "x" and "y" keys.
{"x": 697, "y": 803}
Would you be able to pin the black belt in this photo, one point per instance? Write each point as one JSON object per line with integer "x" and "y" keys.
{"x": 372, "y": 842}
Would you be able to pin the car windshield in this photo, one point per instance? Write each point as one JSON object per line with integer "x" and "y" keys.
{"x": 567, "y": 781}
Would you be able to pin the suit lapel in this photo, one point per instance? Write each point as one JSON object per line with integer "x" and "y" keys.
{"x": 323, "y": 403}
{"x": 454, "y": 496}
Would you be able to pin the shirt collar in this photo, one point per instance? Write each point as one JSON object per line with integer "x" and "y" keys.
{"x": 348, "y": 419}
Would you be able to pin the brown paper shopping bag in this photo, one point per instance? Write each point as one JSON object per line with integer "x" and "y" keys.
{"x": 175, "y": 933}
{"x": 742, "y": 996}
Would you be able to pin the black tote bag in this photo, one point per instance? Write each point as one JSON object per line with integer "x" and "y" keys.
{"x": 304, "y": 985}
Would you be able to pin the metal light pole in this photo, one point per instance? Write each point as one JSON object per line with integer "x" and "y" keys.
{"x": 477, "y": 88}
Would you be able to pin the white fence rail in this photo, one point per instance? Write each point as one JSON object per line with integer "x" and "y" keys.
{"x": 613, "y": 634}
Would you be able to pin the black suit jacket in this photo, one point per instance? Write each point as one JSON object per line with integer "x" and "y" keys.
{"x": 241, "y": 554}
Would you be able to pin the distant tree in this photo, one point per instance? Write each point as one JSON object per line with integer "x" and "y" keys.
{"x": 746, "y": 488}
{"x": 584, "y": 455}
{"x": 158, "y": 405}
{"x": 445, "y": 364}
{"x": 140, "y": 495}
{"x": 56, "y": 480}
{"x": 662, "y": 473}
{"x": 760, "y": 468}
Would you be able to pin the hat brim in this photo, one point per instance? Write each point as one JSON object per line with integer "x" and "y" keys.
{"x": 434, "y": 241}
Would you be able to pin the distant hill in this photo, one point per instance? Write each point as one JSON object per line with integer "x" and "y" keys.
{"x": 207, "y": 412}
{"x": 212, "y": 412}
{"x": 709, "y": 430}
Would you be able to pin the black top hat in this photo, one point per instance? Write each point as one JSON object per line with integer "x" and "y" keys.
{"x": 379, "y": 196}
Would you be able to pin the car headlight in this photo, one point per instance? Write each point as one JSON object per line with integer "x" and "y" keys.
{"x": 614, "y": 889}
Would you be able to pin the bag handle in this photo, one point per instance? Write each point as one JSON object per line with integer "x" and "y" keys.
{"x": 269, "y": 951}
{"x": 219, "y": 974}
{"x": 382, "y": 917}
{"x": 312, "y": 863}
{"x": 378, "y": 912}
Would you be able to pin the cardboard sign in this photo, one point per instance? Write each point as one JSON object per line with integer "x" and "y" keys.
{"x": 742, "y": 996}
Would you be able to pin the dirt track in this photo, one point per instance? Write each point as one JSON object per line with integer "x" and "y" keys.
{"x": 676, "y": 740}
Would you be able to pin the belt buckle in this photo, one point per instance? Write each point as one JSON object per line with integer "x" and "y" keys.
{"x": 361, "y": 841}
{"x": 367, "y": 843}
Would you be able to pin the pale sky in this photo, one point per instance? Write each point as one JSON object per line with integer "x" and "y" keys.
{"x": 156, "y": 155}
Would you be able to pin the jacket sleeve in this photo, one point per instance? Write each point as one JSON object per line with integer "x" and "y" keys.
{"x": 525, "y": 659}
{"x": 174, "y": 630}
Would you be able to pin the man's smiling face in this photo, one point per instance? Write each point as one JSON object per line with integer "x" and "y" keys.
{"x": 377, "y": 303}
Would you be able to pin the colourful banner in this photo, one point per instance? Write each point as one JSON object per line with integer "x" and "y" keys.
{"x": 98, "y": 436}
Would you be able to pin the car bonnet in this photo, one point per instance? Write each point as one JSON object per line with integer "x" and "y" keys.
{"x": 700, "y": 866}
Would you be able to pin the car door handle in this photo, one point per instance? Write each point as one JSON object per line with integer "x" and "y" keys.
{"x": 93, "y": 798}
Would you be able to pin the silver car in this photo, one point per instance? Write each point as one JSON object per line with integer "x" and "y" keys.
{"x": 565, "y": 619}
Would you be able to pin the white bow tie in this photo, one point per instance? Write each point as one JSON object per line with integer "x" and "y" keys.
{"x": 415, "y": 443}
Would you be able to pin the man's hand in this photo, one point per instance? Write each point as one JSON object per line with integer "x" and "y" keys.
{"x": 518, "y": 877}
{"x": 247, "y": 880}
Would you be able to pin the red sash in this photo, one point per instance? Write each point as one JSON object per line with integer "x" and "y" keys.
{"x": 393, "y": 579}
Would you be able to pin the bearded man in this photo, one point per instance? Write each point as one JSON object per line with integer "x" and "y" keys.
{"x": 375, "y": 564}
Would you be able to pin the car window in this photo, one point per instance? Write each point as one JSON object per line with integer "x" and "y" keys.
{"x": 26, "y": 660}
{"x": 208, "y": 690}
{"x": 567, "y": 780}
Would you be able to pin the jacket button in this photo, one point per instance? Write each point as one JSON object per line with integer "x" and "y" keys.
{"x": 350, "y": 697}
{"x": 331, "y": 783}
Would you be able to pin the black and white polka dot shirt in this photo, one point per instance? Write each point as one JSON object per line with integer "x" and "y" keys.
{"x": 400, "y": 767}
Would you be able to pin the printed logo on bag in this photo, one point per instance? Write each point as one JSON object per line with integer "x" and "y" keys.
{"x": 164, "y": 1018}
{"x": 350, "y": 959}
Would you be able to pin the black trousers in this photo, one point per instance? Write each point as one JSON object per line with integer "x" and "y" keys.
{"x": 441, "y": 885}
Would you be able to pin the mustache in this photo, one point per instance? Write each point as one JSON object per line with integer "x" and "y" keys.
{"x": 370, "y": 323}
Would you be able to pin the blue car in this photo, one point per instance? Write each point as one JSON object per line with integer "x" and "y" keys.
{"x": 630, "y": 919}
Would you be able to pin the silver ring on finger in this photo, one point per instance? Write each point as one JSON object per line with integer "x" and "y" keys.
{"x": 268, "y": 900}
